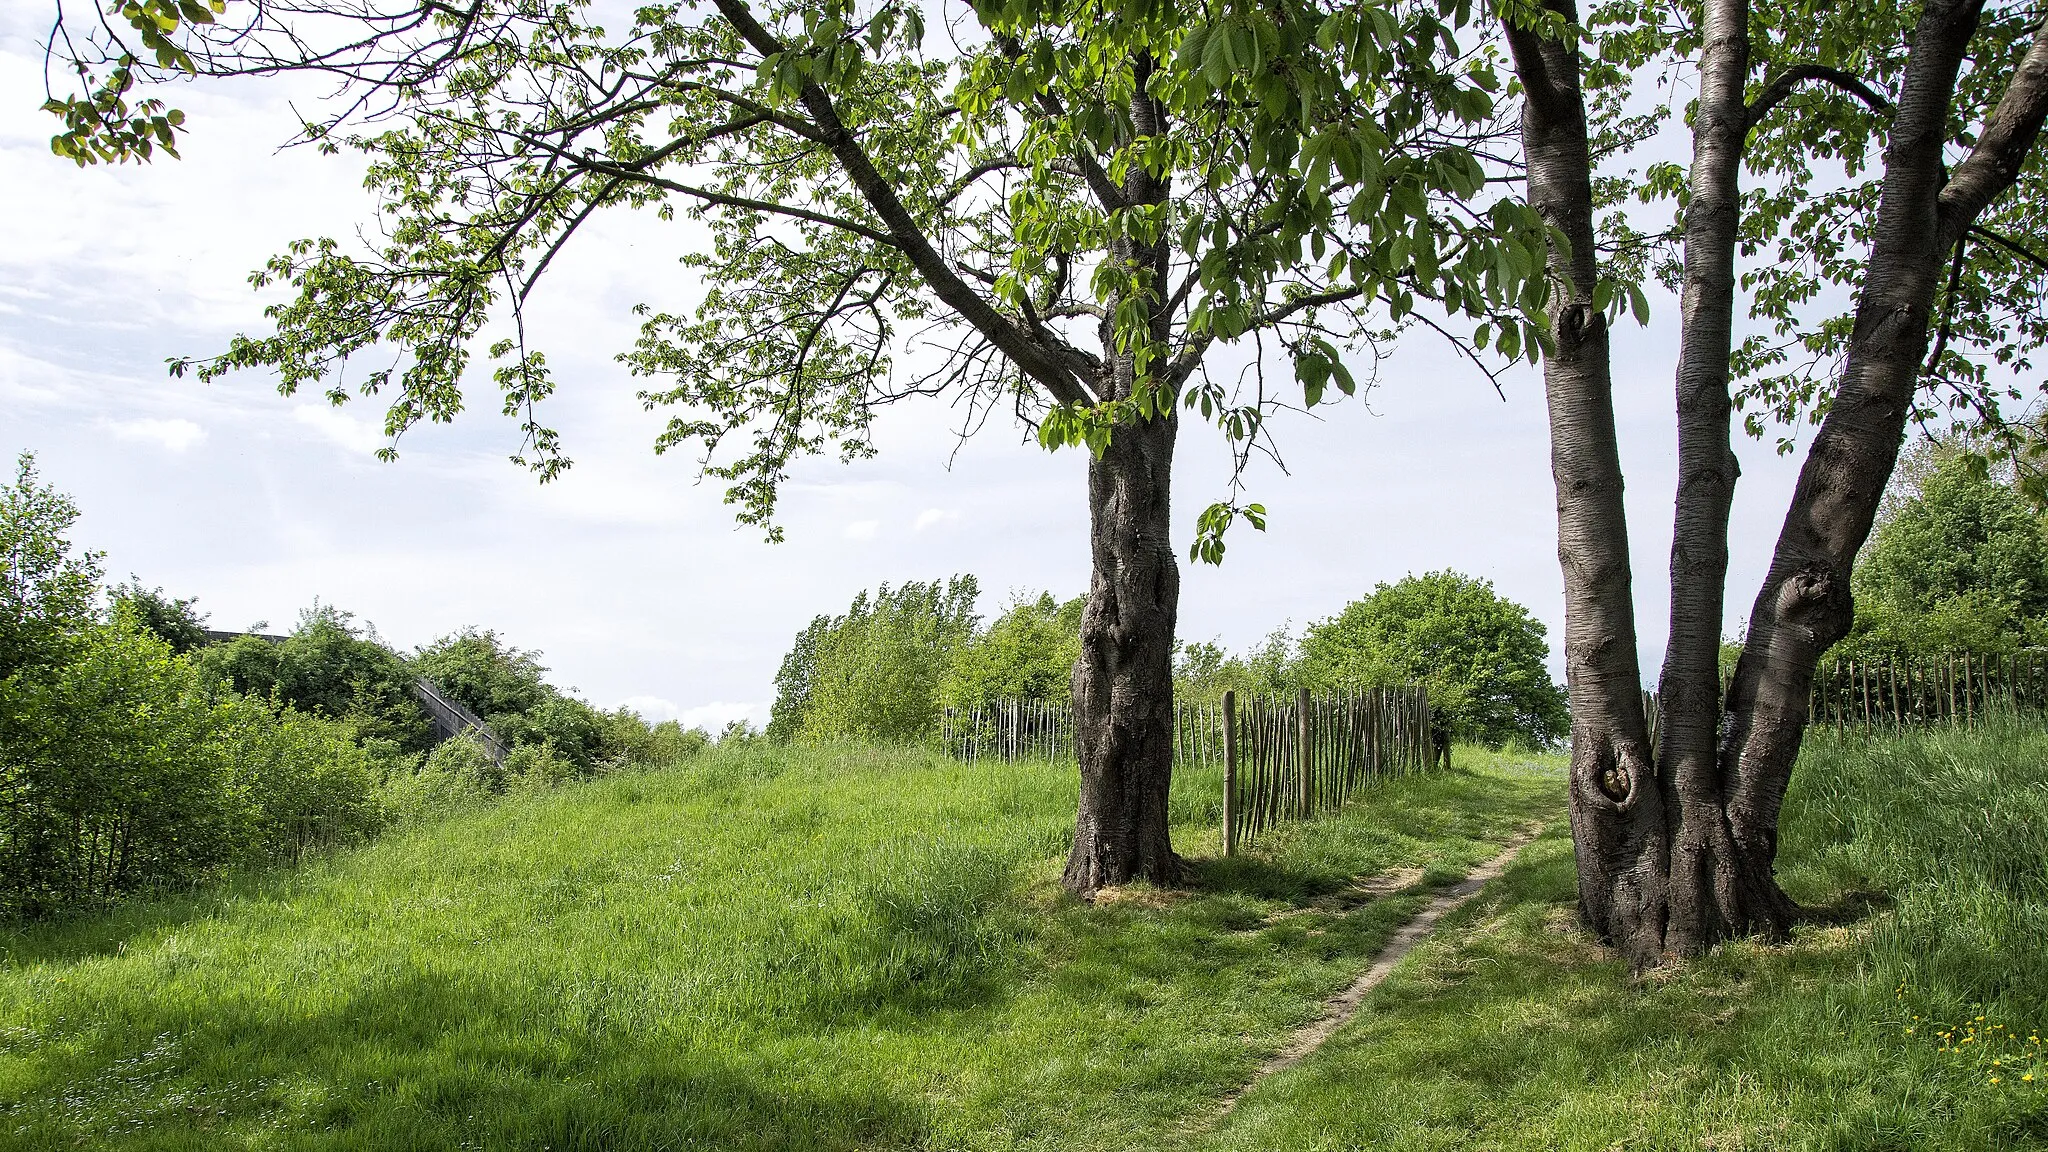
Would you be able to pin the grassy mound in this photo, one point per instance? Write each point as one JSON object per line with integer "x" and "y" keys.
{"x": 1909, "y": 1017}
{"x": 769, "y": 948}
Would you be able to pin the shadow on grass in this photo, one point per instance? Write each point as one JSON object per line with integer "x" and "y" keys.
{"x": 428, "y": 1059}
{"x": 110, "y": 930}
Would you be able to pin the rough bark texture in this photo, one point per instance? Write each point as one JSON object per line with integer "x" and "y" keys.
{"x": 1123, "y": 682}
{"x": 1718, "y": 887}
{"x": 1804, "y": 605}
{"x": 1616, "y": 800}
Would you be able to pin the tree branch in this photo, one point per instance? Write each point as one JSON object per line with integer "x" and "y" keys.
{"x": 1777, "y": 88}
{"x": 1047, "y": 365}
{"x": 2009, "y": 134}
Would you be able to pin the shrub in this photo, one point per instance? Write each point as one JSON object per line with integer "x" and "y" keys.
{"x": 305, "y": 779}
{"x": 1960, "y": 565}
{"x": 330, "y": 666}
{"x": 46, "y": 592}
{"x": 169, "y": 618}
{"x": 124, "y": 771}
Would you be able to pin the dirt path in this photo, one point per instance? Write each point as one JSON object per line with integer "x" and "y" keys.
{"x": 1339, "y": 1009}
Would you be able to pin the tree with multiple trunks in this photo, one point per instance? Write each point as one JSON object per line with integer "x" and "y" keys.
{"x": 1894, "y": 153}
{"x": 1072, "y": 206}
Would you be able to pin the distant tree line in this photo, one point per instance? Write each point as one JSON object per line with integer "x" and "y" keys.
{"x": 888, "y": 667}
{"x": 135, "y": 754}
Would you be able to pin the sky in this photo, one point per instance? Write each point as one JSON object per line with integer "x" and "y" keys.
{"x": 627, "y": 573}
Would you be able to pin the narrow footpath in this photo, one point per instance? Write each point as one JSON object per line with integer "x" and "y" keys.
{"x": 1339, "y": 1009}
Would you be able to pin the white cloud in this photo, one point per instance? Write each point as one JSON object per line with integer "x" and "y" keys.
{"x": 862, "y": 529}
{"x": 173, "y": 435}
{"x": 652, "y": 709}
{"x": 713, "y": 717}
{"x": 355, "y": 435}
{"x": 932, "y": 516}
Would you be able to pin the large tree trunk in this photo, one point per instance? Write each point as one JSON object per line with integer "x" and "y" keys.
{"x": 1804, "y": 605}
{"x": 1123, "y": 682}
{"x": 1718, "y": 887}
{"x": 1617, "y": 808}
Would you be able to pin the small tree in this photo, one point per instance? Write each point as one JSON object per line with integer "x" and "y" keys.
{"x": 1961, "y": 566}
{"x": 875, "y": 673}
{"x": 170, "y": 618}
{"x": 1028, "y": 654}
{"x": 1480, "y": 657}
{"x": 46, "y": 590}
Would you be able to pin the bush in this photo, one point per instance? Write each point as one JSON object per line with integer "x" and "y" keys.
{"x": 46, "y": 592}
{"x": 125, "y": 772}
{"x": 169, "y": 618}
{"x": 307, "y": 782}
{"x": 329, "y": 666}
{"x": 1959, "y": 565}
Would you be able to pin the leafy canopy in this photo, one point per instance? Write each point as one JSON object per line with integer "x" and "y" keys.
{"x": 1059, "y": 216}
{"x": 1479, "y": 656}
{"x": 1821, "y": 94}
{"x": 1960, "y": 567}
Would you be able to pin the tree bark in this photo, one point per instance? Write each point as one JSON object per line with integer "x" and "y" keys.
{"x": 1616, "y": 800}
{"x": 1805, "y": 606}
{"x": 1123, "y": 682}
{"x": 1717, "y": 887}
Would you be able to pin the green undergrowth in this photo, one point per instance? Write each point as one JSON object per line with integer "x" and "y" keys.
{"x": 1908, "y": 1015}
{"x": 767, "y": 948}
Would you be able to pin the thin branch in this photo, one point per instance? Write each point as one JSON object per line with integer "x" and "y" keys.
{"x": 1777, "y": 88}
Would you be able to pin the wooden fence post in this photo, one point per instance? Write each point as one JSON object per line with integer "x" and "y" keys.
{"x": 1302, "y": 755}
{"x": 1230, "y": 773}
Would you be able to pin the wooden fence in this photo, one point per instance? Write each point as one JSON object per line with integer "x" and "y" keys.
{"x": 1899, "y": 694}
{"x": 1895, "y": 695}
{"x": 1282, "y": 758}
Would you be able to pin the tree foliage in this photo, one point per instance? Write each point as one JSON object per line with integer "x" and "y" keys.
{"x": 875, "y": 673}
{"x": 1028, "y": 653}
{"x": 331, "y": 666}
{"x": 47, "y": 591}
{"x": 170, "y": 618}
{"x": 1481, "y": 657}
{"x": 1960, "y": 567}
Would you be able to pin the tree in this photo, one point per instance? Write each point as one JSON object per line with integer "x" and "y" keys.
{"x": 46, "y": 591}
{"x": 1078, "y": 206}
{"x": 169, "y": 618}
{"x": 1675, "y": 845}
{"x": 483, "y": 673}
{"x": 1960, "y": 567}
{"x": 1480, "y": 657}
{"x": 1027, "y": 654}
{"x": 1203, "y": 671}
{"x": 876, "y": 672}
{"x": 329, "y": 666}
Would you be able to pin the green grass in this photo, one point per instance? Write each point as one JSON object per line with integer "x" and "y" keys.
{"x": 768, "y": 948}
{"x": 1882, "y": 1026}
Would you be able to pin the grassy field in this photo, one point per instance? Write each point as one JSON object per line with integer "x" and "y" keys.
{"x": 768, "y": 948}
{"x": 1912, "y": 1021}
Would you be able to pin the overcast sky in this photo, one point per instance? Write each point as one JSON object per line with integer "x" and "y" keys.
{"x": 627, "y": 573}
